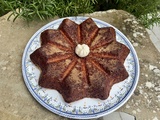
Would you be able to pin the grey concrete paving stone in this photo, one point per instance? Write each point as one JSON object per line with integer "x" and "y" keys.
{"x": 156, "y": 31}
{"x": 154, "y": 34}
{"x": 119, "y": 116}
{"x": 116, "y": 116}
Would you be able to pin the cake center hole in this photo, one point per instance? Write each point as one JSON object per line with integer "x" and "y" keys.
{"x": 82, "y": 50}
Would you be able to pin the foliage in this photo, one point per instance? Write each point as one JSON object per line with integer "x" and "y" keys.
{"x": 145, "y": 10}
{"x": 43, "y": 9}
{"x": 2, "y": 8}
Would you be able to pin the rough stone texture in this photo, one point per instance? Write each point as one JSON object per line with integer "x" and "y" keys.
{"x": 16, "y": 103}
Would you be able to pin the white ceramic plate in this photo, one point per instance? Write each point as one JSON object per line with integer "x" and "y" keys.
{"x": 86, "y": 108}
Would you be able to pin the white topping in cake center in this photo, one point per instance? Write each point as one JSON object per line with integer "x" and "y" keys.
{"x": 82, "y": 50}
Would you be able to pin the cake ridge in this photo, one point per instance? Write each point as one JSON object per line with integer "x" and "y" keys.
{"x": 60, "y": 46}
{"x": 88, "y": 31}
{"x": 59, "y": 58}
{"x": 93, "y": 62}
{"x": 54, "y": 37}
{"x": 104, "y": 55}
{"x": 69, "y": 68}
{"x": 67, "y": 39}
{"x": 109, "y": 34}
{"x": 100, "y": 45}
{"x": 93, "y": 35}
{"x": 71, "y": 30}
{"x": 84, "y": 71}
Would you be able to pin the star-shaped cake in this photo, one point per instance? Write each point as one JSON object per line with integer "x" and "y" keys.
{"x": 80, "y": 60}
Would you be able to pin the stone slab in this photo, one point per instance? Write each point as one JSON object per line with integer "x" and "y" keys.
{"x": 16, "y": 103}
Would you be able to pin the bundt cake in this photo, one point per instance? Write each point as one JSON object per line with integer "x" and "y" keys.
{"x": 80, "y": 60}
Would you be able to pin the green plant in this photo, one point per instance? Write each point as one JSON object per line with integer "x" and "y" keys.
{"x": 2, "y": 8}
{"x": 147, "y": 11}
{"x": 43, "y": 9}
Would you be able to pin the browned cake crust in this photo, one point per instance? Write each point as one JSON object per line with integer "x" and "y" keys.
{"x": 75, "y": 77}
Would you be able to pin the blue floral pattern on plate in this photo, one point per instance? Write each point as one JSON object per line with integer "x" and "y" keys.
{"x": 86, "y": 108}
